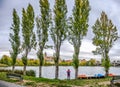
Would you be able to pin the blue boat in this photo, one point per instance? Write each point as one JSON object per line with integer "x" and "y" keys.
{"x": 99, "y": 75}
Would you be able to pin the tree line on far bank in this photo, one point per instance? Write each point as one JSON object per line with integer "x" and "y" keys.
{"x": 7, "y": 61}
{"x": 59, "y": 27}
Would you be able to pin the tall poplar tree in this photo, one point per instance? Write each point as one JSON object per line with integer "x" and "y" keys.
{"x": 59, "y": 29}
{"x": 15, "y": 38}
{"x": 78, "y": 27}
{"x": 27, "y": 33}
{"x": 43, "y": 23}
{"x": 105, "y": 35}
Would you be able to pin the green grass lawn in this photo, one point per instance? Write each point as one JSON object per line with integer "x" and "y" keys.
{"x": 58, "y": 83}
{"x": 78, "y": 82}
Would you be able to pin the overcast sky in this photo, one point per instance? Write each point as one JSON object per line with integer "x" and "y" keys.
{"x": 111, "y": 8}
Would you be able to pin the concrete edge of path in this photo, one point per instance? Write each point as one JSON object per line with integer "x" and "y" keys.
{"x": 8, "y": 84}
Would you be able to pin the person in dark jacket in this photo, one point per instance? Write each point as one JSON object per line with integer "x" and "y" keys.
{"x": 68, "y": 74}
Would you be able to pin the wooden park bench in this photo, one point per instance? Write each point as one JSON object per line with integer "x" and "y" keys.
{"x": 13, "y": 75}
{"x": 115, "y": 79}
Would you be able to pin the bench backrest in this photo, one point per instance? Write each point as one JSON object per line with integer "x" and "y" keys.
{"x": 116, "y": 77}
{"x": 12, "y": 75}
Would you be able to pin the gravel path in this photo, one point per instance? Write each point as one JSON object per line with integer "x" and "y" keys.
{"x": 7, "y": 84}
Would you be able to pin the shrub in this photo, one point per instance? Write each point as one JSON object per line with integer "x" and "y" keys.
{"x": 28, "y": 72}
{"x": 48, "y": 64}
{"x": 19, "y": 72}
{"x": 65, "y": 63}
{"x": 2, "y": 76}
{"x": 33, "y": 84}
{"x": 19, "y": 62}
{"x": 6, "y": 60}
{"x": 33, "y": 62}
{"x": 117, "y": 84}
{"x": 4, "y": 70}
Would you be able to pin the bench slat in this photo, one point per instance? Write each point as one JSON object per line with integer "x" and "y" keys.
{"x": 17, "y": 76}
{"x": 115, "y": 79}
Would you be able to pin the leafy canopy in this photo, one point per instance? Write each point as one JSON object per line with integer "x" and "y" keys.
{"x": 105, "y": 34}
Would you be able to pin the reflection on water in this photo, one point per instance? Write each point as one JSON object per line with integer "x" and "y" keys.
{"x": 49, "y": 71}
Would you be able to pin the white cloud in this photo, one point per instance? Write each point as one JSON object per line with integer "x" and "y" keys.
{"x": 4, "y": 53}
{"x": 87, "y": 46}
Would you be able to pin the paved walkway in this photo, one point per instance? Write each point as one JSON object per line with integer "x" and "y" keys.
{"x": 7, "y": 84}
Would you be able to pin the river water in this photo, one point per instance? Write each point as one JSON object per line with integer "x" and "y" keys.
{"x": 49, "y": 71}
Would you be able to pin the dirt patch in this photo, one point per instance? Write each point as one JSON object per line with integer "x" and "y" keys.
{"x": 29, "y": 83}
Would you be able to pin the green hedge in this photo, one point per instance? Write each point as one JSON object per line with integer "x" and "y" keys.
{"x": 28, "y": 72}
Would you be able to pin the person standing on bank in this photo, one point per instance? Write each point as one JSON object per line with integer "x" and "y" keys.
{"x": 68, "y": 74}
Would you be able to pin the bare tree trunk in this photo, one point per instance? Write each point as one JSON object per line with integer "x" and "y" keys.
{"x": 13, "y": 68}
{"x": 77, "y": 56}
{"x": 40, "y": 71}
{"x": 107, "y": 59}
{"x": 56, "y": 71}
{"x": 24, "y": 70}
{"x": 57, "y": 61}
{"x": 76, "y": 73}
{"x": 106, "y": 72}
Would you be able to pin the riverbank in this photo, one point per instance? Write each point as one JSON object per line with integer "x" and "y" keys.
{"x": 43, "y": 82}
{"x": 89, "y": 71}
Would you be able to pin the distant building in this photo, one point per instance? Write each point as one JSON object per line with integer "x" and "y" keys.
{"x": 83, "y": 60}
{"x": 67, "y": 61}
{"x": 49, "y": 59}
{"x": 98, "y": 63}
{"x": 115, "y": 63}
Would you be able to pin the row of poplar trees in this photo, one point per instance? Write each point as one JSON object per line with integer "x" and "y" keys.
{"x": 60, "y": 27}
